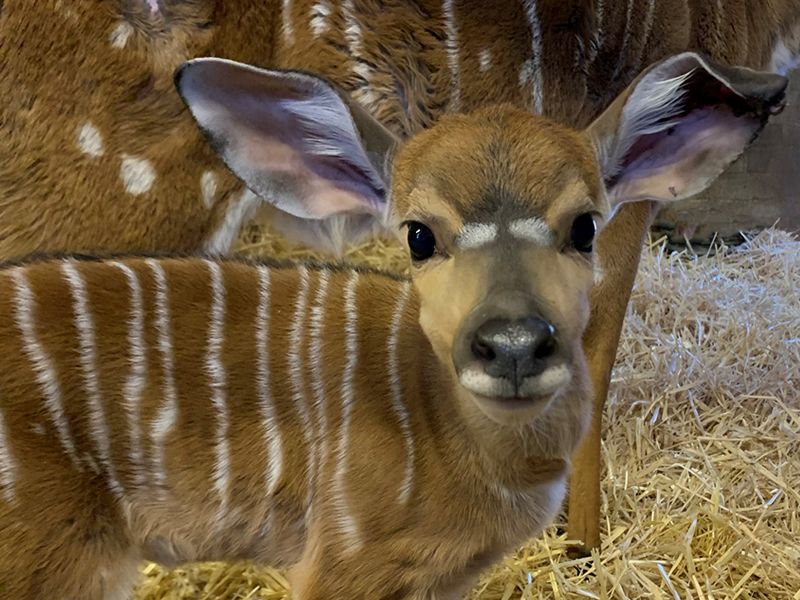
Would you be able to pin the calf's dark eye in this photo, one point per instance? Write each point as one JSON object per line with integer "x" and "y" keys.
{"x": 583, "y": 232}
{"x": 421, "y": 241}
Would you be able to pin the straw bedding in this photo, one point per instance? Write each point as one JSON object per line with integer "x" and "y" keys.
{"x": 701, "y": 495}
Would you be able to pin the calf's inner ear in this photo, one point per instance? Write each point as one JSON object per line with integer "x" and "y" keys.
{"x": 680, "y": 125}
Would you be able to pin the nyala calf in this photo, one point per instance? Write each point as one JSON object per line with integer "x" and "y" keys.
{"x": 381, "y": 437}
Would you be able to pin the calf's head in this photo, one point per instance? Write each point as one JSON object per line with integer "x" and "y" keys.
{"x": 499, "y": 209}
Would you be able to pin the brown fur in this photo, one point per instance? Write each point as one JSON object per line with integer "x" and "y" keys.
{"x": 55, "y": 198}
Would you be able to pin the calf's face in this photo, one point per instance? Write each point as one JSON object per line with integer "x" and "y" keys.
{"x": 499, "y": 210}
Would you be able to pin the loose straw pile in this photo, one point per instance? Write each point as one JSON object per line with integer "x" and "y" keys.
{"x": 701, "y": 494}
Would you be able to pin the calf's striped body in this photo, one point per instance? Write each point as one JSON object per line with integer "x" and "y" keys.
{"x": 183, "y": 409}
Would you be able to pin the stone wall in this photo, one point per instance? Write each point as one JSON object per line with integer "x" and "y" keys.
{"x": 760, "y": 188}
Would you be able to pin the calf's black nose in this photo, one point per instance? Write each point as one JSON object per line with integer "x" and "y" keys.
{"x": 514, "y": 349}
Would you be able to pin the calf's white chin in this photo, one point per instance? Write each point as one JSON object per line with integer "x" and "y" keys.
{"x": 497, "y": 398}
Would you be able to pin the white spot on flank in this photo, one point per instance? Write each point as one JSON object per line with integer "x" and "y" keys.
{"x": 316, "y": 325}
{"x": 287, "y": 25}
{"x": 208, "y": 187}
{"x": 167, "y": 412}
{"x": 153, "y": 6}
{"x": 320, "y": 12}
{"x": 236, "y": 214}
{"x": 451, "y": 44}
{"x": 294, "y": 358}
{"x": 218, "y": 384}
{"x": 137, "y": 174}
{"x": 90, "y": 141}
{"x": 42, "y": 364}
{"x": 137, "y": 377}
{"x": 535, "y": 65}
{"x": 397, "y": 393}
{"x": 532, "y": 230}
{"x": 120, "y": 35}
{"x": 8, "y": 469}
{"x": 475, "y": 235}
{"x": 38, "y": 429}
{"x": 268, "y": 418}
{"x": 485, "y": 59}
{"x": 84, "y": 323}
{"x": 344, "y": 517}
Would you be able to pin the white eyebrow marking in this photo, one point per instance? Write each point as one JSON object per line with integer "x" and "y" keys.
{"x": 532, "y": 230}
{"x": 475, "y": 235}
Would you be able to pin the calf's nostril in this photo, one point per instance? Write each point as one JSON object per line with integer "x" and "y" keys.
{"x": 545, "y": 349}
{"x": 483, "y": 350}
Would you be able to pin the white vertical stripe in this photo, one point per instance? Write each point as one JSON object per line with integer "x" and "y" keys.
{"x": 451, "y": 44}
{"x": 352, "y": 29}
{"x": 137, "y": 377}
{"x": 320, "y": 12}
{"x": 344, "y": 517}
{"x": 288, "y": 25}
{"x": 167, "y": 412}
{"x": 218, "y": 383}
{"x": 88, "y": 356}
{"x": 536, "y": 58}
{"x": 25, "y": 315}
{"x": 8, "y": 470}
{"x": 397, "y": 393}
{"x": 354, "y": 36}
{"x": 271, "y": 429}
{"x": 294, "y": 358}
{"x": 316, "y": 324}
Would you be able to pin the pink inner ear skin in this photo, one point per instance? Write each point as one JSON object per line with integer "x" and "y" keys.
{"x": 309, "y": 196}
{"x": 682, "y": 161}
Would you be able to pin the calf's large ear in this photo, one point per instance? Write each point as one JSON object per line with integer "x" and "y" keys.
{"x": 291, "y": 137}
{"x": 679, "y": 125}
